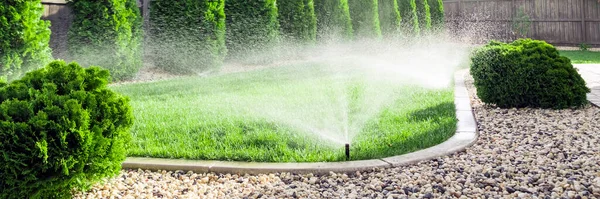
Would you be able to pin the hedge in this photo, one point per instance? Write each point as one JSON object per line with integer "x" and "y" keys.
{"x": 61, "y": 129}
{"x": 106, "y": 33}
{"x": 526, "y": 73}
{"x": 24, "y": 38}
{"x": 389, "y": 17}
{"x": 410, "y": 19}
{"x": 297, "y": 20}
{"x": 424, "y": 15}
{"x": 436, "y": 8}
{"x": 187, "y": 36}
{"x": 333, "y": 19}
{"x": 365, "y": 18}
{"x": 252, "y": 26}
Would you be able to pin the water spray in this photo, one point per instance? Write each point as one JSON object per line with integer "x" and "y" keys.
{"x": 347, "y": 151}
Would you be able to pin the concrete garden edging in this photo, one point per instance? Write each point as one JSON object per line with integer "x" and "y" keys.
{"x": 465, "y": 136}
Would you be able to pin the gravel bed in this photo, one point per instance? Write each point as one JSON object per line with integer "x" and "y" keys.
{"x": 526, "y": 153}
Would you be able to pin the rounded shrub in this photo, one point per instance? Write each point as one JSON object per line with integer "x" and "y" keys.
{"x": 24, "y": 38}
{"x": 106, "y": 33}
{"x": 252, "y": 27}
{"x": 410, "y": 19}
{"x": 333, "y": 19}
{"x": 389, "y": 17}
{"x": 61, "y": 129}
{"x": 187, "y": 36}
{"x": 365, "y": 18}
{"x": 297, "y": 19}
{"x": 526, "y": 73}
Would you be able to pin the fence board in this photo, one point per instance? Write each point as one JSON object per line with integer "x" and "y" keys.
{"x": 565, "y": 22}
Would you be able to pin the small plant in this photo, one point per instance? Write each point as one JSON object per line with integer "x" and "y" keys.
{"x": 584, "y": 47}
{"x": 526, "y": 73}
{"x": 24, "y": 38}
{"x": 521, "y": 23}
{"x": 61, "y": 129}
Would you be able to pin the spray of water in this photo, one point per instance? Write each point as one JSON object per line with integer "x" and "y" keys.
{"x": 350, "y": 83}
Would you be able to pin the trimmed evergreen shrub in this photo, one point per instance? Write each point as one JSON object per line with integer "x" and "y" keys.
{"x": 526, "y": 73}
{"x": 365, "y": 18}
{"x": 106, "y": 33}
{"x": 410, "y": 19}
{"x": 333, "y": 19}
{"x": 436, "y": 8}
{"x": 61, "y": 129}
{"x": 389, "y": 17}
{"x": 252, "y": 26}
{"x": 24, "y": 38}
{"x": 187, "y": 36}
{"x": 297, "y": 19}
{"x": 424, "y": 15}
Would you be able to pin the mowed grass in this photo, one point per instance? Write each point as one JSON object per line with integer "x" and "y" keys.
{"x": 253, "y": 116}
{"x": 582, "y": 57}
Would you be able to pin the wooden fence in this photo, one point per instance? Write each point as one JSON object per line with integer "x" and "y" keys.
{"x": 561, "y": 22}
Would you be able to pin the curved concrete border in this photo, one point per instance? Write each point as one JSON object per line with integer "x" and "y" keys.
{"x": 466, "y": 135}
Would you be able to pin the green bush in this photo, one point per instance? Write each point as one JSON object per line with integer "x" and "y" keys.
{"x": 436, "y": 8}
{"x": 526, "y": 73}
{"x": 365, "y": 18}
{"x": 187, "y": 36}
{"x": 424, "y": 15}
{"x": 410, "y": 19}
{"x": 106, "y": 33}
{"x": 297, "y": 19}
{"x": 389, "y": 17}
{"x": 252, "y": 26}
{"x": 61, "y": 129}
{"x": 333, "y": 19}
{"x": 24, "y": 38}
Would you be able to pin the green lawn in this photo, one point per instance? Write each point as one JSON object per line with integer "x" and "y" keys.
{"x": 582, "y": 57}
{"x": 295, "y": 113}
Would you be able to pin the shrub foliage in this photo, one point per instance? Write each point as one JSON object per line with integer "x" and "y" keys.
{"x": 60, "y": 128}
{"x": 424, "y": 15}
{"x": 526, "y": 73}
{"x": 24, "y": 38}
{"x": 365, "y": 18}
{"x": 297, "y": 19}
{"x": 252, "y": 26}
{"x": 187, "y": 36}
{"x": 436, "y": 8}
{"x": 389, "y": 17}
{"x": 333, "y": 19}
{"x": 106, "y": 33}
{"x": 410, "y": 19}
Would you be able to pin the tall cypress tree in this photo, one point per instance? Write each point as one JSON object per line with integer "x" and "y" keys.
{"x": 108, "y": 34}
{"x": 24, "y": 38}
{"x": 365, "y": 18}
{"x": 333, "y": 19}
{"x": 252, "y": 26}
{"x": 297, "y": 19}
{"x": 187, "y": 36}
{"x": 424, "y": 15}
{"x": 436, "y": 7}
{"x": 389, "y": 17}
{"x": 410, "y": 19}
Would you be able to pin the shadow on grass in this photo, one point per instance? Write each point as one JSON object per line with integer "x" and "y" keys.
{"x": 434, "y": 113}
{"x": 436, "y": 125}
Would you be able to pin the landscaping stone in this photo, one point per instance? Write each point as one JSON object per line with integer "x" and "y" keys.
{"x": 526, "y": 153}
